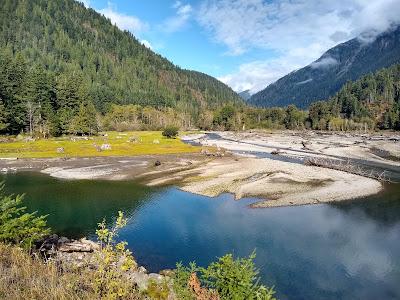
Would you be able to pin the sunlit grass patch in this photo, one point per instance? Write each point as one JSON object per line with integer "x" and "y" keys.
{"x": 120, "y": 144}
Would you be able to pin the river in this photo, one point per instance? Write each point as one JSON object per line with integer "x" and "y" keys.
{"x": 348, "y": 250}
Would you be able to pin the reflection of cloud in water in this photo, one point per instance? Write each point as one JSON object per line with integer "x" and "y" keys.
{"x": 313, "y": 251}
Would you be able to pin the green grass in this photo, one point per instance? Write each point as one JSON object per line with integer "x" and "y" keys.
{"x": 120, "y": 146}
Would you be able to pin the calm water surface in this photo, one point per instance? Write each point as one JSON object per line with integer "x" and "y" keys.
{"x": 349, "y": 250}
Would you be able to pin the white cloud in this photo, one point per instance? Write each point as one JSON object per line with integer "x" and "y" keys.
{"x": 324, "y": 62}
{"x": 147, "y": 44}
{"x": 304, "y": 81}
{"x": 180, "y": 19}
{"x": 253, "y": 76}
{"x": 123, "y": 21}
{"x": 298, "y": 31}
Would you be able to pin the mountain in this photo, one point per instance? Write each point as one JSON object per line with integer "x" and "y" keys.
{"x": 66, "y": 38}
{"x": 245, "y": 95}
{"x": 324, "y": 77}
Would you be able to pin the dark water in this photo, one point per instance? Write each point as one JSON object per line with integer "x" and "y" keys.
{"x": 349, "y": 250}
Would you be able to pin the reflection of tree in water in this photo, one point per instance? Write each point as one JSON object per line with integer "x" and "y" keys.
{"x": 383, "y": 207}
{"x": 75, "y": 207}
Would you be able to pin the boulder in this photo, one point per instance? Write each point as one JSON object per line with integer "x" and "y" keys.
{"x": 133, "y": 139}
{"x": 83, "y": 245}
{"x": 276, "y": 152}
{"x": 142, "y": 279}
{"x": 105, "y": 147}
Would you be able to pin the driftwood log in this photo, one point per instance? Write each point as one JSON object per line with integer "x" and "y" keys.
{"x": 346, "y": 166}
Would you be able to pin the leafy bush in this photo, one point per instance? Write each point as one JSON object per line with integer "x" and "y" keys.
{"x": 170, "y": 132}
{"x": 231, "y": 278}
{"x": 17, "y": 226}
{"x": 181, "y": 280}
{"x": 113, "y": 260}
{"x": 158, "y": 291}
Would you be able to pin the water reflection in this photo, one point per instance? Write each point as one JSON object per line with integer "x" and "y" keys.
{"x": 76, "y": 207}
{"x": 348, "y": 250}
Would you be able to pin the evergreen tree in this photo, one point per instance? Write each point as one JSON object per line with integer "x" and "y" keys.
{"x": 3, "y": 117}
{"x": 85, "y": 122}
{"x": 16, "y": 225}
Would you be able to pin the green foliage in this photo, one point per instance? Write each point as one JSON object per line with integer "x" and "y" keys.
{"x": 85, "y": 122}
{"x": 181, "y": 280}
{"x": 224, "y": 117}
{"x": 294, "y": 118}
{"x": 232, "y": 278}
{"x": 170, "y": 132}
{"x": 3, "y": 117}
{"x": 158, "y": 291}
{"x": 113, "y": 261}
{"x": 16, "y": 225}
{"x": 57, "y": 55}
{"x": 373, "y": 100}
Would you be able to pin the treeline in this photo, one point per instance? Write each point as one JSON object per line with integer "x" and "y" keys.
{"x": 372, "y": 102}
{"x": 40, "y": 102}
{"x": 69, "y": 42}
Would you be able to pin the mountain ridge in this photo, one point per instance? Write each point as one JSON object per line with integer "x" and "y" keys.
{"x": 65, "y": 36}
{"x": 245, "y": 95}
{"x": 324, "y": 77}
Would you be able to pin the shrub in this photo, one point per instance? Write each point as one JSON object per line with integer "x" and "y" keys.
{"x": 17, "y": 226}
{"x": 113, "y": 260}
{"x": 230, "y": 278}
{"x": 170, "y": 132}
{"x": 104, "y": 276}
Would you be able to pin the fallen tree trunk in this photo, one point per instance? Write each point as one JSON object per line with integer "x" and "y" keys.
{"x": 346, "y": 166}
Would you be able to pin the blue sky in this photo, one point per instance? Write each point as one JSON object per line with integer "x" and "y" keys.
{"x": 247, "y": 44}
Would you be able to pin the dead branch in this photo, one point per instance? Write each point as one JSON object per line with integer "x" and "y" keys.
{"x": 346, "y": 166}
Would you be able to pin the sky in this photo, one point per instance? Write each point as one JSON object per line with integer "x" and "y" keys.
{"x": 247, "y": 44}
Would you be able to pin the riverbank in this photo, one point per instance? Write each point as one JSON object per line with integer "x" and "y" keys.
{"x": 248, "y": 169}
{"x": 281, "y": 183}
{"x": 71, "y": 269}
{"x": 382, "y": 148}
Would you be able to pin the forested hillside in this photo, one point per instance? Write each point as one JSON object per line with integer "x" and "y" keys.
{"x": 58, "y": 58}
{"x": 323, "y": 78}
{"x": 373, "y": 100}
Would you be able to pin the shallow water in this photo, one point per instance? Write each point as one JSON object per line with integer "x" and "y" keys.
{"x": 349, "y": 250}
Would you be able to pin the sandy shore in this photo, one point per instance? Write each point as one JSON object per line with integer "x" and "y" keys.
{"x": 373, "y": 148}
{"x": 280, "y": 183}
{"x": 107, "y": 168}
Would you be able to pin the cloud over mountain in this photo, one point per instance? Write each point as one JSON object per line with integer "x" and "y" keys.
{"x": 298, "y": 31}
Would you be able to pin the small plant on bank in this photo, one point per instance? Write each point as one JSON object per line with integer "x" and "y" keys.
{"x": 230, "y": 278}
{"x": 158, "y": 291}
{"x": 17, "y": 227}
{"x": 170, "y": 132}
{"x": 113, "y": 260}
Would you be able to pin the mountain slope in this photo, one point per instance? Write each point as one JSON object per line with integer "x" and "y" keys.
{"x": 245, "y": 95}
{"x": 324, "y": 77}
{"x": 65, "y": 37}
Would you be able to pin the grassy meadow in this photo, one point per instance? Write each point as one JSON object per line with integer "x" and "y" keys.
{"x": 121, "y": 144}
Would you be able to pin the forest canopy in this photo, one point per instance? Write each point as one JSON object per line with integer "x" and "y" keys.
{"x": 65, "y": 69}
